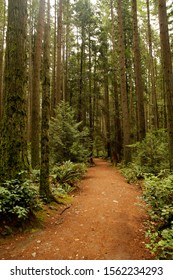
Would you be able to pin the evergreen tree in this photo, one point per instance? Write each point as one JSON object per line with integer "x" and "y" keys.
{"x": 14, "y": 143}
{"x": 167, "y": 71}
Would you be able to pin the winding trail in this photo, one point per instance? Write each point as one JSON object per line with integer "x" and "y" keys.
{"x": 104, "y": 222}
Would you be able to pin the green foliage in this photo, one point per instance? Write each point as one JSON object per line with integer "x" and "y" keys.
{"x": 68, "y": 141}
{"x": 149, "y": 156}
{"x": 161, "y": 243}
{"x": 158, "y": 193}
{"x": 68, "y": 174}
{"x": 132, "y": 172}
{"x": 18, "y": 199}
{"x": 151, "y": 163}
{"x": 152, "y": 153}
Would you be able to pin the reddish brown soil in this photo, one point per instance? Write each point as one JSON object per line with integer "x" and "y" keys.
{"x": 104, "y": 222}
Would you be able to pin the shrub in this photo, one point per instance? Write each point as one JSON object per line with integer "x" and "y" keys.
{"x": 161, "y": 243}
{"x": 152, "y": 153}
{"x": 18, "y": 199}
{"x": 159, "y": 196}
{"x": 132, "y": 172}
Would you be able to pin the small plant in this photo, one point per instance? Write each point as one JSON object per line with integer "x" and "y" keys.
{"x": 68, "y": 174}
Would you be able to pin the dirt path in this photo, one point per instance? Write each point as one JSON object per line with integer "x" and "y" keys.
{"x": 104, "y": 222}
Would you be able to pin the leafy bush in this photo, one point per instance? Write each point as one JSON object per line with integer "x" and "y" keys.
{"x": 159, "y": 196}
{"x": 152, "y": 153}
{"x": 151, "y": 163}
{"x": 17, "y": 199}
{"x": 68, "y": 174}
{"x": 161, "y": 243}
{"x": 149, "y": 156}
{"x": 68, "y": 141}
{"x": 132, "y": 172}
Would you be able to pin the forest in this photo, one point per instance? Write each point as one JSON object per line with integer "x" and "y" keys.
{"x": 83, "y": 79}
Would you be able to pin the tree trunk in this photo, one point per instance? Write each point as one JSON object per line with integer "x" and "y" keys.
{"x": 2, "y": 34}
{"x": 35, "y": 114}
{"x": 167, "y": 71}
{"x": 53, "y": 91}
{"x": 14, "y": 141}
{"x": 154, "y": 108}
{"x": 45, "y": 192}
{"x": 59, "y": 53}
{"x": 125, "y": 110}
{"x": 138, "y": 75}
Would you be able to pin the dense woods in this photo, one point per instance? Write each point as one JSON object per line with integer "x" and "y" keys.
{"x": 81, "y": 79}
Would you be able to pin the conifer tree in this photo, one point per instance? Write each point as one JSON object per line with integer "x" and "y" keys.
{"x": 14, "y": 143}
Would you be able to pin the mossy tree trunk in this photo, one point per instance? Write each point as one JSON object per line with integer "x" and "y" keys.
{"x": 138, "y": 75}
{"x": 2, "y": 35}
{"x": 167, "y": 71}
{"x": 123, "y": 82}
{"x": 117, "y": 142}
{"x": 35, "y": 109}
{"x": 154, "y": 107}
{"x": 59, "y": 54}
{"x": 14, "y": 141}
{"x": 45, "y": 192}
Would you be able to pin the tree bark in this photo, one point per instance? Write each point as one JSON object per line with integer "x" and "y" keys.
{"x": 59, "y": 53}
{"x": 138, "y": 75}
{"x": 35, "y": 114}
{"x": 44, "y": 190}
{"x": 154, "y": 107}
{"x": 2, "y": 34}
{"x": 14, "y": 141}
{"x": 167, "y": 71}
{"x": 125, "y": 110}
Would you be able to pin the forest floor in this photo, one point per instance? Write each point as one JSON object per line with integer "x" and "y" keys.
{"x": 103, "y": 222}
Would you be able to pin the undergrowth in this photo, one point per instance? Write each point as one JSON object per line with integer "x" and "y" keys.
{"x": 150, "y": 164}
{"x": 67, "y": 175}
{"x": 20, "y": 201}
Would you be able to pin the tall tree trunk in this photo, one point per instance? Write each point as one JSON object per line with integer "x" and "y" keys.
{"x": 59, "y": 53}
{"x": 30, "y": 70}
{"x": 35, "y": 114}
{"x": 45, "y": 192}
{"x": 138, "y": 75}
{"x": 82, "y": 53}
{"x": 2, "y": 34}
{"x": 125, "y": 110}
{"x": 154, "y": 108}
{"x": 91, "y": 124}
{"x": 107, "y": 113}
{"x": 167, "y": 71}
{"x": 53, "y": 91}
{"x": 14, "y": 141}
{"x": 67, "y": 51}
